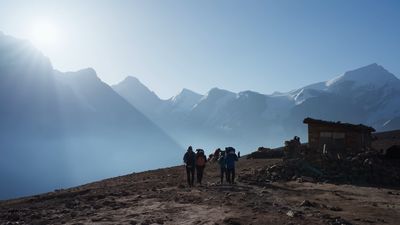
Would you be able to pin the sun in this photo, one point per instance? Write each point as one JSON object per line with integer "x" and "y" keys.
{"x": 45, "y": 33}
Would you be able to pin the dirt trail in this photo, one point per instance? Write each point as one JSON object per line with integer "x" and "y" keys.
{"x": 161, "y": 197}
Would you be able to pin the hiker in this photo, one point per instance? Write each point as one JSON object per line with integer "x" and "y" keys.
{"x": 215, "y": 156}
{"x": 190, "y": 161}
{"x": 222, "y": 165}
{"x": 210, "y": 157}
{"x": 238, "y": 154}
{"x": 201, "y": 160}
{"x": 231, "y": 157}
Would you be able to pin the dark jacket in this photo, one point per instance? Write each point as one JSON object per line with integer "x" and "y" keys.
{"x": 190, "y": 159}
{"x": 222, "y": 161}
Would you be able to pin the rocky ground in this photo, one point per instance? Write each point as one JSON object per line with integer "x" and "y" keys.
{"x": 162, "y": 197}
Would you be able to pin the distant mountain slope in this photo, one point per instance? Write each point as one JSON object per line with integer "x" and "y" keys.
{"x": 62, "y": 129}
{"x": 138, "y": 94}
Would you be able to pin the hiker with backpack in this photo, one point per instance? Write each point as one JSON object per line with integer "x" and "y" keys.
{"x": 190, "y": 161}
{"x": 231, "y": 158}
{"x": 201, "y": 160}
{"x": 217, "y": 153}
{"x": 222, "y": 165}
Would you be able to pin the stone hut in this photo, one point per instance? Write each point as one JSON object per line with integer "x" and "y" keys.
{"x": 336, "y": 139}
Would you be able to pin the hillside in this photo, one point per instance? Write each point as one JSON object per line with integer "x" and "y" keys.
{"x": 161, "y": 197}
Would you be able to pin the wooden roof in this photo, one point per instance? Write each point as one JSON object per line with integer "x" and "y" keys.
{"x": 357, "y": 127}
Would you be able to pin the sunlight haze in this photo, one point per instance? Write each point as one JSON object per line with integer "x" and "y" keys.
{"x": 264, "y": 46}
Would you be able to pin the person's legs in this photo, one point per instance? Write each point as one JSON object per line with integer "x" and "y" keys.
{"x": 228, "y": 175}
{"x": 222, "y": 174}
{"x": 188, "y": 175}
{"x": 192, "y": 173}
{"x": 233, "y": 175}
{"x": 200, "y": 173}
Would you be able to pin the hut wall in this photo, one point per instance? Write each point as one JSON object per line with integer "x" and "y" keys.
{"x": 338, "y": 138}
{"x": 313, "y": 137}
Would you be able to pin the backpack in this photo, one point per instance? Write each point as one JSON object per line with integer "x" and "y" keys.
{"x": 230, "y": 149}
{"x": 190, "y": 158}
{"x": 200, "y": 161}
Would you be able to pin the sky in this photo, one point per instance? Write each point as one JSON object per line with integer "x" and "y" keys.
{"x": 264, "y": 46}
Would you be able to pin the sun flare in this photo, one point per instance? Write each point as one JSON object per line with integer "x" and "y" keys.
{"x": 45, "y": 33}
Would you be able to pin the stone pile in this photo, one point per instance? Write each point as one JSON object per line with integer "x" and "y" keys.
{"x": 366, "y": 168}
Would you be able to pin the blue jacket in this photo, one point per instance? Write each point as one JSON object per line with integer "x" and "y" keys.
{"x": 230, "y": 160}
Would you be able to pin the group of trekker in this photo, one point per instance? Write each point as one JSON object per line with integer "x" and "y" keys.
{"x": 196, "y": 162}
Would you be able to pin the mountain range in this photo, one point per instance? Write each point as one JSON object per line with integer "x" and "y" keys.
{"x": 60, "y": 129}
{"x": 368, "y": 95}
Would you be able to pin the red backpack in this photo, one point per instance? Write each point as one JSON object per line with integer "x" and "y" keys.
{"x": 201, "y": 161}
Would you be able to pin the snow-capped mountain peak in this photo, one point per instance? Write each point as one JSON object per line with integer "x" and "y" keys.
{"x": 186, "y": 99}
{"x": 372, "y": 75}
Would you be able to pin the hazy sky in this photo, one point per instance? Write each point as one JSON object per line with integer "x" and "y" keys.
{"x": 237, "y": 45}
